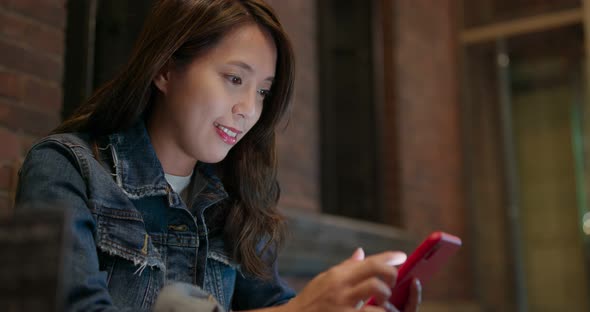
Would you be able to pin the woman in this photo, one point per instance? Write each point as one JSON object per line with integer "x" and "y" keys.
{"x": 170, "y": 173}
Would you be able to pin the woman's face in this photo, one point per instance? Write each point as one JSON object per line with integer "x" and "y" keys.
{"x": 208, "y": 106}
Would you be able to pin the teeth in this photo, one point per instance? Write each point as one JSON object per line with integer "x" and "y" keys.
{"x": 226, "y": 130}
{"x": 229, "y": 132}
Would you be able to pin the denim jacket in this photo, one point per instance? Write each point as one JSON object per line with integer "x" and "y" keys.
{"x": 131, "y": 233}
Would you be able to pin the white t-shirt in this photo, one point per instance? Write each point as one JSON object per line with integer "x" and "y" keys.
{"x": 178, "y": 183}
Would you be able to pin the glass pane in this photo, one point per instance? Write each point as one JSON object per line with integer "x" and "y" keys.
{"x": 526, "y": 95}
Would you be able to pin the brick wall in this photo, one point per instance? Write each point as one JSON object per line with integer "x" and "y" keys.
{"x": 31, "y": 64}
{"x": 299, "y": 143}
{"x": 428, "y": 121}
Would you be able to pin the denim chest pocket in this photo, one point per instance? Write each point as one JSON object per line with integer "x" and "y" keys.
{"x": 134, "y": 267}
{"x": 220, "y": 277}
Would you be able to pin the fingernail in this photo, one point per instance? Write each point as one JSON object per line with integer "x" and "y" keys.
{"x": 398, "y": 258}
{"x": 359, "y": 305}
{"x": 359, "y": 254}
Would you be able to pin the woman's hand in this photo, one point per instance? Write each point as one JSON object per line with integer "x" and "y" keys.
{"x": 343, "y": 286}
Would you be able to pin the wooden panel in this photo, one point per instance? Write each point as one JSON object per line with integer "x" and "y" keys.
{"x": 79, "y": 63}
{"x": 347, "y": 111}
{"x": 118, "y": 25}
{"x": 100, "y": 37}
{"x": 386, "y": 117}
{"x": 482, "y": 12}
{"x": 522, "y": 26}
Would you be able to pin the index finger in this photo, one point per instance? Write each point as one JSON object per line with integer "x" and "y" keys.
{"x": 381, "y": 265}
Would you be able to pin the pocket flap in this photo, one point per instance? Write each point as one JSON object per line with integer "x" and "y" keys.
{"x": 125, "y": 236}
{"x": 223, "y": 258}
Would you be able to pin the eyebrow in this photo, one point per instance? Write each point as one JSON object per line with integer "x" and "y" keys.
{"x": 248, "y": 68}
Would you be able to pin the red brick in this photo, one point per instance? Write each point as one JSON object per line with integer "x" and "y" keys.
{"x": 427, "y": 116}
{"x": 57, "y": 3}
{"x": 31, "y": 122}
{"x": 11, "y": 85}
{"x": 50, "y": 12}
{"x": 24, "y": 31}
{"x": 300, "y": 179}
{"x": 42, "y": 96}
{"x": 10, "y": 150}
{"x": 50, "y": 41}
{"x": 26, "y": 141}
{"x": 34, "y": 63}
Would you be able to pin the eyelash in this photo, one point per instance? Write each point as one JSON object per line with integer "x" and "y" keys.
{"x": 236, "y": 80}
{"x": 264, "y": 92}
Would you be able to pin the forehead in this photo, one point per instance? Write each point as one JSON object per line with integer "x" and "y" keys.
{"x": 249, "y": 44}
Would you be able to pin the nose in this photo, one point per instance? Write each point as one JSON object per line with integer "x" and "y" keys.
{"x": 246, "y": 107}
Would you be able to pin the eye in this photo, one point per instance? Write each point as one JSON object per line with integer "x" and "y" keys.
{"x": 264, "y": 92}
{"x": 234, "y": 79}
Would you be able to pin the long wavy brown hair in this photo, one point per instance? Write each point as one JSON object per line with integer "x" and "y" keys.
{"x": 178, "y": 31}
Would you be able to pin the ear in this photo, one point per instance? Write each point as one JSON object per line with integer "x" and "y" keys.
{"x": 162, "y": 80}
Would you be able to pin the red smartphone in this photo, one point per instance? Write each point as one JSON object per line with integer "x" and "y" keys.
{"x": 426, "y": 260}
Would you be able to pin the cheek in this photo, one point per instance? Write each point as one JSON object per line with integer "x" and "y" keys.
{"x": 192, "y": 94}
{"x": 254, "y": 122}
{"x": 196, "y": 105}
{"x": 257, "y": 119}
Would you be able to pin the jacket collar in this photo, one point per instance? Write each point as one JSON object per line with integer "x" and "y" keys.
{"x": 139, "y": 173}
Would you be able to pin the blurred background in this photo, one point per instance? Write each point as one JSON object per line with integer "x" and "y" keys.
{"x": 409, "y": 116}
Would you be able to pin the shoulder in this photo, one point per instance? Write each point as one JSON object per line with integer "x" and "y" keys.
{"x": 53, "y": 171}
{"x": 60, "y": 151}
{"x": 64, "y": 140}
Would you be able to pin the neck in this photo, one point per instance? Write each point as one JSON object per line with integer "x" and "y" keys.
{"x": 173, "y": 159}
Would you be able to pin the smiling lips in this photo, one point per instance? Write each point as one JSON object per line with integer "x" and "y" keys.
{"x": 229, "y": 135}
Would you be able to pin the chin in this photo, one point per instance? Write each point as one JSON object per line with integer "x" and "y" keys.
{"x": 213, "y": 159}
